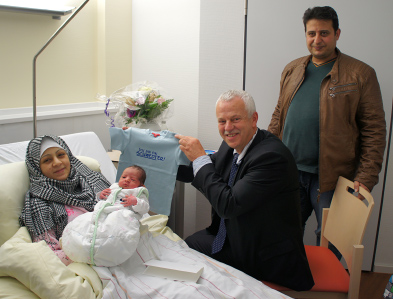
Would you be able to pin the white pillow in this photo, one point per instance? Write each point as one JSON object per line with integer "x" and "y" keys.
{"x": 157, "y": 226}
{"x": 11, "y": 288}
{"x": 40, "y": 270}
{"x": 14, "y": 183}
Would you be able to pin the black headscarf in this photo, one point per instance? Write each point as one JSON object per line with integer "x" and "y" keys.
{"x": 45, "y": 201}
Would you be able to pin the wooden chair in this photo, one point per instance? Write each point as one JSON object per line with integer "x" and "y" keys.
{"x": 343, "y": 225}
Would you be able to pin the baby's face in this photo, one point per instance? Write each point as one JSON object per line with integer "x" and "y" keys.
{"x": 130, "y": 179}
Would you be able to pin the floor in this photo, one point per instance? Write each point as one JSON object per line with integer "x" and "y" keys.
{"x": 372, "y": 285}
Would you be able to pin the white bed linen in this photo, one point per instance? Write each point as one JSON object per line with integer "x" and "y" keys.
{"x": 81, "y": 144}
{"x": 217, "y": 280}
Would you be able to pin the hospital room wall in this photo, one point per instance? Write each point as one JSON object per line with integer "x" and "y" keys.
{"x": 204, "y": 43}
{"x": 199, "y": 55}
{"x": 221, "y": 69}
{"x": 91, "y": 55}
{"x": 165, "y": 49}
{"x": 363, "y": 31}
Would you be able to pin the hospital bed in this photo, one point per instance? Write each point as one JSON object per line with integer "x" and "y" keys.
{"x": 32, "y": 270}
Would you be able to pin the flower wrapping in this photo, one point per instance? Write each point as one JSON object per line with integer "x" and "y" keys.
{"x": 138, "y": 103}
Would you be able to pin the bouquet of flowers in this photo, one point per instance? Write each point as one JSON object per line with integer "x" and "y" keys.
{"x": 138, "y": 103}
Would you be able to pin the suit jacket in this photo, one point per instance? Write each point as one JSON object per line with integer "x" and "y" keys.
{"x": 261, "y": 210}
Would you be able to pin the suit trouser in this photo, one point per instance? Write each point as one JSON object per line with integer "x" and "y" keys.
{"x": 202, "y": 241}
{"x": 276, "y": 269}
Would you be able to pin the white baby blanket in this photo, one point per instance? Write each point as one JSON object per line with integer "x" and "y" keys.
{"x": 106, "y": 237}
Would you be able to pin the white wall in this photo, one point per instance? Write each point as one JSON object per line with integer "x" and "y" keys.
{"x": 276, "y": 36}
{"x": 193, "y": 49}
{"x": 165, "y": 49}
{"x": 17, "y": 124}
{"x": 384, "y": 253}
{"x": 195, "y": 53}
{"x": 61, "y": 69}
{"x": 91, "y": 55}
{"x": 220, "y": 69}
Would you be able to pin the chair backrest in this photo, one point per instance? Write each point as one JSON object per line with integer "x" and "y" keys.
{"x": 348, "y": 218}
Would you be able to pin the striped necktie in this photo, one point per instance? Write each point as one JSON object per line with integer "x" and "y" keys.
{"x": 222, "y": 232}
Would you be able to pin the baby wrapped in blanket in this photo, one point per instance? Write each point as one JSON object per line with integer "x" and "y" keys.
{"x": 109, "y": 235}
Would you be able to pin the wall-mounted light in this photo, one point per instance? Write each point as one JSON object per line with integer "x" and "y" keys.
{"x": 36, "y": 7}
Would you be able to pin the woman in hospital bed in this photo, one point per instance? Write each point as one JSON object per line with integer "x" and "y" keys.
{"x": 63, "y": 188}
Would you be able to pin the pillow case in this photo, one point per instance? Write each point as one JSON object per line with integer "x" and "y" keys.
{"x": 14, "y": 183}
{"x": 41, "y": 271}
{"x": 11, "y": 288}
{"x": 157, "y": 226}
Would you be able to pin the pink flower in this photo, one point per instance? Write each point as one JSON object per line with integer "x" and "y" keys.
{"x": 160, "y": 100}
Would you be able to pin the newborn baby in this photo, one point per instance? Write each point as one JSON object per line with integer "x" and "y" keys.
{"x": 109, "y": 235}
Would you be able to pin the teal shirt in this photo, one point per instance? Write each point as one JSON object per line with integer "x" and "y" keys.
{"x": 159, "y": 154}
{"x": 301, "y": 128}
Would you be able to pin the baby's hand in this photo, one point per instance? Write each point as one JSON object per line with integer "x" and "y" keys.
{"x": 105, "y": 193}
{"x": 129, "y": 200}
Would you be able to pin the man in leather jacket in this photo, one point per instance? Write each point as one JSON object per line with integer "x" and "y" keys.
{"x": 330, "y": 115}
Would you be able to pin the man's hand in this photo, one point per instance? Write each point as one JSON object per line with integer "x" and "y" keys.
{"x": 105, "y": 193}
{"x": 356, "y": 188}
{"x": 129, "y": 200}
{"x": 191, "y": 146}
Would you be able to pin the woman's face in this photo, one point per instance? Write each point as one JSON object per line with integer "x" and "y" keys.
{"x": 55, "y": 164}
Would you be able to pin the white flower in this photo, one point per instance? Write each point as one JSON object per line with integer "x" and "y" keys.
{"x": 138, "y": 103}
{"x": 145, "y": 88}
{"x": 140, "y": 100}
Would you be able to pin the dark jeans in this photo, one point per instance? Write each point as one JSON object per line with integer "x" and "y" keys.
{"x": 309, "y": 185}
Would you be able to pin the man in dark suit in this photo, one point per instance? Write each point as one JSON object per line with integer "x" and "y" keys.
{"x": 256, "y": 224}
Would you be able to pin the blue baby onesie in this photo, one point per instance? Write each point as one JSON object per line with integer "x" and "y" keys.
{"x": 158, "y": 153}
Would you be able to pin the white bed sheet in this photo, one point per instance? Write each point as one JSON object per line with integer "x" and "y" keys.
{"x": 216, "y": 281}
{"x": 81, "y": 144}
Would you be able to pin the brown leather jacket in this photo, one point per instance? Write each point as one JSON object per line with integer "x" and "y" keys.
{"x": 352, "y": 135}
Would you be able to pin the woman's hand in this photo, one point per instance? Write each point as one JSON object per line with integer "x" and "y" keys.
{"x": 105, "y": 193}
{"x": 129, "y": 200}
